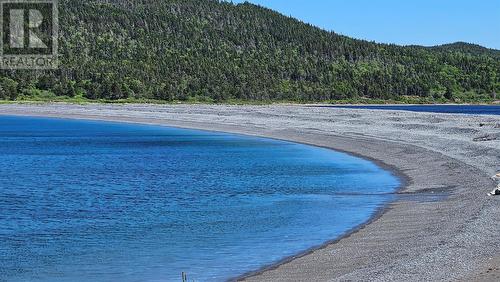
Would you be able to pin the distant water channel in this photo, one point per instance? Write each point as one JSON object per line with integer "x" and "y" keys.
{"x": 448, "y": 109}
{"x": 101, "y": 201}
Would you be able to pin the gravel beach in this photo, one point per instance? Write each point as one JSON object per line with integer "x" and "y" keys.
{"x": 443, "y": 225}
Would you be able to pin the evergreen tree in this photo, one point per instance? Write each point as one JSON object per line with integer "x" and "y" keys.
{"x": 216, "y": 51}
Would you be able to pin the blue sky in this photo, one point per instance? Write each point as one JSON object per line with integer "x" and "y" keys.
{"x": 405, "y": 22}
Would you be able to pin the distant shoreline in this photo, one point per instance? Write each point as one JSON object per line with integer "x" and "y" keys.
{"x": 416, "y": 237}
{"x": 246, "y": 102}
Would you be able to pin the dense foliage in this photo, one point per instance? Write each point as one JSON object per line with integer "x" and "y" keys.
{"x": 217, "y": 51}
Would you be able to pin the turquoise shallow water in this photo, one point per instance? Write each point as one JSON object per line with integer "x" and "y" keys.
{"x": 98, "y": 201}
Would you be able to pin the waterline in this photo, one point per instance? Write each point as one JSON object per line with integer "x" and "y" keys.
{"x": 93, "y": 200}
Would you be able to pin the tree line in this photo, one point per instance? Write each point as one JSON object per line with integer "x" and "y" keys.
{"x": 208, "y": 50}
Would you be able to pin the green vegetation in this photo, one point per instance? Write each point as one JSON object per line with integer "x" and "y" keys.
{"x": 211, "y": 51}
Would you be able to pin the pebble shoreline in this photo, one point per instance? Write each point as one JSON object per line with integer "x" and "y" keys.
{"x": 442, "y": 227}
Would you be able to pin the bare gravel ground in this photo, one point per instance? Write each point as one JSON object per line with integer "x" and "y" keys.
{"x": 443, "y": 225}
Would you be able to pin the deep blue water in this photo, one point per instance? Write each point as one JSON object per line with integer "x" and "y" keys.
{"x": 450, "y": 109}
{"x": 97, "y": 201}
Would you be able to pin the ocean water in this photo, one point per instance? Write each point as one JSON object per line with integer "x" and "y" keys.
{"x": 448, "y": 109}
{"x": 100, "y": 201}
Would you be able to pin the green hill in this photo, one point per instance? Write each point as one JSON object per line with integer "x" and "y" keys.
{"x": 217, "y": 51}
{"x": 468, "y": 48}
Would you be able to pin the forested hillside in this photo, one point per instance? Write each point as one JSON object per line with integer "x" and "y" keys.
{"x": 208, "y": 50}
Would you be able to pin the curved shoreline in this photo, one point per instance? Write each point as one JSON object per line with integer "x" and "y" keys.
{"x": 414, "y": 238}
{"x": 378, "y": 213}
{"x": 402, "y": 178}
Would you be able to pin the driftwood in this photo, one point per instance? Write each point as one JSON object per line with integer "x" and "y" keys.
{"x": 487, "y": 137}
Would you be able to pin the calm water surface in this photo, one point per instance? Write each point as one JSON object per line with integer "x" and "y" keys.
{"x": 449, "y": 109}
{"x": 97, "y": 201}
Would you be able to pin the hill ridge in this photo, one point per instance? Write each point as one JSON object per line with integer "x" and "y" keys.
{"x": 209, "y": 50}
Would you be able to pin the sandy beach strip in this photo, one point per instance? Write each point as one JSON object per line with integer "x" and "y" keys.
{"x": 443, "y": 226}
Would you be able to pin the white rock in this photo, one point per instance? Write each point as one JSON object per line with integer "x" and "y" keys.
{"x": 495, "y": 192}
